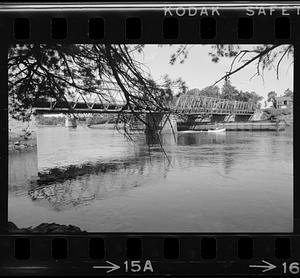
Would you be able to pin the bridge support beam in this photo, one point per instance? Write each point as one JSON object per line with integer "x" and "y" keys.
{"x": 258, "y": 116}
{"x": 229, "y": 118}
{"x": 70, "y": 121}
{"x": 160, "y": 122}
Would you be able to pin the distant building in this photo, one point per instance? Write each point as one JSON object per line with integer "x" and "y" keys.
{"x": 284, "y": 102}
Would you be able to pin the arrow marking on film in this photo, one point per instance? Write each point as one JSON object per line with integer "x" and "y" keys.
{"x": 267, "y": 266}
{"x": 111, "y": 267}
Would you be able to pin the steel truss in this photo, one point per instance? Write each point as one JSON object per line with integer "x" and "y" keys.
{"x": 187, "y": 104}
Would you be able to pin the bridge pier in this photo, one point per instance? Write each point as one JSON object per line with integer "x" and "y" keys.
{"x": 70, "y": 121}
{"x": 229, "y": 118}
{"x": 160, "y": 122}
{"x": 258, "y": 115}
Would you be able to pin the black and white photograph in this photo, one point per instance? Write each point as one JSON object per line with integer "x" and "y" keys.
{"x": 150, "y": 138}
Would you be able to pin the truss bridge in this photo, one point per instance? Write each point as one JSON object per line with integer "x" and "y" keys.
{"x": 197, "y": 105}
{"x": 112, "y": 101}
{"x": 191, "y": 107}
{"x": 108, "y": 101}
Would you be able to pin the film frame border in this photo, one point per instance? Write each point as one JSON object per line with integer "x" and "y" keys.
{"x": 189, "y": 28}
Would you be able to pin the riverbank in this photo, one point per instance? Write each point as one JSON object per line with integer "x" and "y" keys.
{"x": 282, "y": 114}
{"x": 47, "y": 228}
{"x": 289, "y": 119}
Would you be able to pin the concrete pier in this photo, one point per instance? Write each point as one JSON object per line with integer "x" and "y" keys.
{"x": 70, "y": 121}
{"x": 258, "y": 115}
{"x": 162, "y": 123}
{"x": 229, "y": 118}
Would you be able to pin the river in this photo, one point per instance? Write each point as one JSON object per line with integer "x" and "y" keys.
{"x": 231, "y": 182}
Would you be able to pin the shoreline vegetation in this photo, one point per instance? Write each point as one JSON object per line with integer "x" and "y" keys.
{"x": 284, "y": 114}
{"x": 60, "y": 120}
{"x": 44, "y": 228}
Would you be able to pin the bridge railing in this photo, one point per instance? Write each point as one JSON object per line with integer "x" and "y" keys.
{"x": 203, "y": 104}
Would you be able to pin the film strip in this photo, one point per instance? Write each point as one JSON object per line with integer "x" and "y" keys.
{"x": 259, "y": 237}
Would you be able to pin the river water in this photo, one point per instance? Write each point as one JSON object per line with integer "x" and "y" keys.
{"x": 231, "y": 182}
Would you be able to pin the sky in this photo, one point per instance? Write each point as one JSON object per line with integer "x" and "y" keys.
{"x": 199, "y": 71}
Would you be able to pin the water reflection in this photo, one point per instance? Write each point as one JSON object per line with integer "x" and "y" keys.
{"x": 161, "y": 139}
{"x": 82, "y": 189}
{"x": 22, "y": 169}
{"x": 231, "y": 182}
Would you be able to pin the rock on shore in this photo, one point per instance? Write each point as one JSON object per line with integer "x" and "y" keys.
{"x": 45, "y": 228}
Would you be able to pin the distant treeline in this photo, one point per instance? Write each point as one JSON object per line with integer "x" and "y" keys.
{"x": 54, "y": 120}
{"x": 230, "y": 92}
{"x": 90, "y": 120}
{"x": 101, "y": 119}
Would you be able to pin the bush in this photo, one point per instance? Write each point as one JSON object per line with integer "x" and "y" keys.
{"x": 278, "y": 112}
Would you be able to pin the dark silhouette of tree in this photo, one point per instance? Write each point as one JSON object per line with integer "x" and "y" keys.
{"x": 172, "y": 89}
{"x": 61, "y": 72}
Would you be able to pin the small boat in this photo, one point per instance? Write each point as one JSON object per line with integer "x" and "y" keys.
{"x": 217, "y": 130}
{"x": 190, "y": 131}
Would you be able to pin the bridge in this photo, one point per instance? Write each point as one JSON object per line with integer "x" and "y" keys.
{"x": 196, "y": 105}
{"x": 108, "y": 101}
{"x": 186, "y": 104}
{"x": 113, "y": 101}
